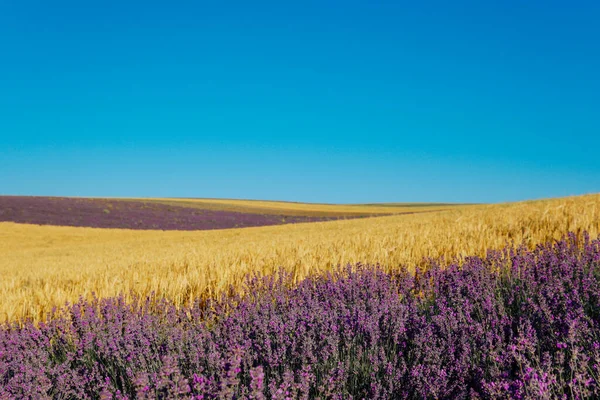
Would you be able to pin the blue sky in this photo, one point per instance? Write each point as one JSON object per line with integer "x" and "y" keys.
{"x": 481, "y": 101}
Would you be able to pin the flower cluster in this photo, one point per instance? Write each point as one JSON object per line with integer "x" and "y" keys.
{"x": 516, "y": 324}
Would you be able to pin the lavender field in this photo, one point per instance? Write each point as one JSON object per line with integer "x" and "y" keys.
{"x": 130, "y": 214}
{"x": 517, "y": 324}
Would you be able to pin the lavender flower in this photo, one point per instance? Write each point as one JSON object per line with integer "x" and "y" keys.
{"x": 516, "y": 324}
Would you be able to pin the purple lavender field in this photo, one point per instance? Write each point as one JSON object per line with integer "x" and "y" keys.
{"x": 130, "y": 214}
{"x": 517, "y": 324}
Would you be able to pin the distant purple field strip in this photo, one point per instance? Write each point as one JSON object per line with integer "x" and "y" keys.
{"x": 126, "y": 214}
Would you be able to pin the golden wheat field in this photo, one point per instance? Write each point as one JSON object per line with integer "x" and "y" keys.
{"x": 47, "y": 266}
{"x": 302, "y": 209}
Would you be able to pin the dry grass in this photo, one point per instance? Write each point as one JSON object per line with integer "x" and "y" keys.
{"x": 45, "y": 266}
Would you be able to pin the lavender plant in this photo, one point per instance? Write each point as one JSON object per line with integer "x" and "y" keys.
{"x": 516, "y": 324}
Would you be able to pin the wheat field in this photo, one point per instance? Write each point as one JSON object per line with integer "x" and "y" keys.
{"x": 302, "y": 209}
{"x": 46, "y": 266}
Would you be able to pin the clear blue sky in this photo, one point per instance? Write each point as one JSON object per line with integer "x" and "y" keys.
{"x": 349, "y": 101}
